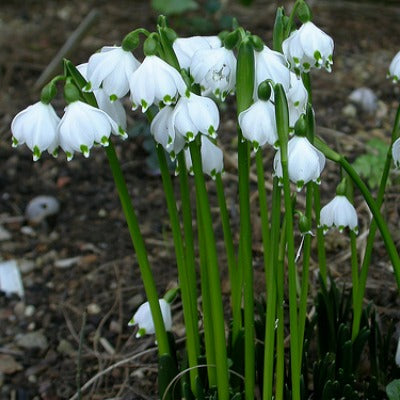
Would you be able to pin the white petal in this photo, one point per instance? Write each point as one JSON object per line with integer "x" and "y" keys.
{"x": 211, "y": 156}
{"x": 161, "y": 130}
{"x": 396, "y": 152}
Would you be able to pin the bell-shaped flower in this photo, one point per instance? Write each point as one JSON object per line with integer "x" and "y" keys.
{"x": 37, "y": 127}
{"x": 144, "y": 320}
{"x": 114, "y": 109}
{"x": 297, "y": 98}
{"x": 111, "y": 69}
{"x": 186, "y": 47}
{"x": 340, "y": 213}
{"x": 396, "y": 152}
{"x": 305, "y": 162}
{"x": 394, "y": 68}
{"x": 258, "y": 124}
{"x": 83, "y": 126}
{"x": 214, "y": 70}
{"x": 163, "y": 131}
{"x": 308, "y": 47}
{"x": 212, "y": 158}
{"x": 154, "y": 82}
{"x": 271, "y": 65}
{"x": 194, "y": 114}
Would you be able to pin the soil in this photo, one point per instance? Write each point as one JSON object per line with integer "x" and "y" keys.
{"x": 79, "y": 272}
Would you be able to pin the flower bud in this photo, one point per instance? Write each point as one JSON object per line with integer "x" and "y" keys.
{"x": 341, "y": 189}
{"x": 257, "y": 42}
{"x": 150, "y": 45}
{"x": 71, "y": 92}
{"x": 279, "y": 29}
{"x": 304, "y": 12}
{"x": 264, "y": 91}
{"x": 304, "y": 224}
{"x": 48, "y": 93}
{"x": 300, "y": 128}
{"x": 231, "y": 40}
{"x": 130, "y": 41}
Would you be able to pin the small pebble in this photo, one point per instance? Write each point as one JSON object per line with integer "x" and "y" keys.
{"x": 365, "y": 99}
{"x": 93, "y": 309}
{"x": 4, "y": 234}
{"x": 29, "y": 311}
{"x": 40, "y": 208}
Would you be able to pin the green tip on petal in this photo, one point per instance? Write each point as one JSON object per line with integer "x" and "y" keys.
{"x": 85, "y": 150}
{"x": 134, "y": 106}
{"x": 54, "y": 153}
{"x": 187, "y": 92}
{"x": 141, "y": 332}
{"x": 341, "y": 228}
{"x": 189, "y": 136}
{"x": 299, "y": 185}
{"x": 167, "y": 99}
{"x": 306, "y": 66}
{"x": 131, "y": 322}
{"x": 144, "y": 105}
{"x": 256, "y": 145}
{"x": 104, "y": 141}
{"x": 69, "y": 155}
{"x": 36, "y": 153}
{"x": 113, "y": 98}
{"x": 87, "y": 87}
{"x": 122, "y": 132}
{"x": 211, "y": 131}
{"x": 14, "y": 142}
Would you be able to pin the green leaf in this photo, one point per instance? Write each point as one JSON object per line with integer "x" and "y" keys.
{"x": 393, "y": 390}
{"x": 169, "y": 7}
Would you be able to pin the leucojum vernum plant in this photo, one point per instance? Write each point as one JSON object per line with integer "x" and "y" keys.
{"x": 178, "y": 85}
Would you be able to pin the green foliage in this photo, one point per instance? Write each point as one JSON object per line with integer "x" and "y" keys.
{"x": 370, "y": 166}
{"x": 393, "y": 390}
{"x": 169, "y": 7}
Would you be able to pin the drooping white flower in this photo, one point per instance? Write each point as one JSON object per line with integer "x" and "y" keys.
{"x": 258, "y": 124}
{"x": 114, "y": 109}
{"x": 308, "y": 47}
{"x": 394, "y": 68}
{"x": 154, "y": 82}
{"x": 111, "y": 69}
{"x": 297, "y": 98}
{"x": 37, "y": 127}
{"x": 195, "y": 114}
{"x": 396, "y": 152}
{"x": 186, "y": 47}
{"x": 212, "y": 158}
{"x": 305, "y": 162}
{"x": 83, "y": 126}
{"x": 340, "y": 213}
{"x": 144, "y": 319}
{"x": 272, "y": 65}
{"x": 214, "y": 70}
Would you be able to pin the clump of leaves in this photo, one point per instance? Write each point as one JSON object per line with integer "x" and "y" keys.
{"x": 370, "y": 166}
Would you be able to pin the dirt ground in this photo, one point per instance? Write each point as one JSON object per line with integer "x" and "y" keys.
{"x": 83, "y": 260}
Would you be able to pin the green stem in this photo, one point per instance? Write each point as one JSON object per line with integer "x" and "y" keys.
{"x": 280, "y": 345}
{"x": 244, "y": 98}
{"x": 231, "y": 258}
{"x": 213, "y": 275}
{"x": 305, "y": 273}
{"x": 375, "y": 209}
{"x": 372, "y": 231}
{"x": 140, "y": 249}
{"x": 282, "y": 122}
{"x": 185, "y": 283}
{"x": 206, "y": 302}
{"x": 320, "y": 236}
{"x": 269, "y": 340}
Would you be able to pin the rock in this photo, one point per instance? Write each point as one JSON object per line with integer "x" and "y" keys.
{"x": 8, "y": 365}
{"x": 41, "y": 207}
{"x": 349, "y": 111}
{"x": 10, "y": 278}
{"x": 93, "y": 309}
{"x": 66, "y": 348}
{"x": 26, "y": 266}
{"x": 365, "y": 99}
{"x": 67, "y": 262}
{"x": 29, "y": 311}
{"x": 4, "y": 234}
{"x": 32, "y": 340}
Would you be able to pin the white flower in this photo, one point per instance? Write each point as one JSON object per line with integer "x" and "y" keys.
{"x": 163, "y": 131}
{"x": 396, "y": 152}
{"x": 258, "y": 124}
{"x": 339, "y": 212}
{"x": 111, "y": 69}
{"x": 114, "y": 109}
{"x": 144, "y": 320}
{"x": 212, "y": 158}
{"x": 308, "y": 47}
{"x": 305, "y": 162}
{"x": 394, "y": 68}
{"x": 83, "y": 126}
{"x": 37, "y": 127}
{"x": 186, "y": 47}
{"x": 214, "y": 70}
{"x": 195, "y": 114}
{"x": 272, "y": 65}
{"x": 153, "y": 82}
{"x": 297, "y": 98}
